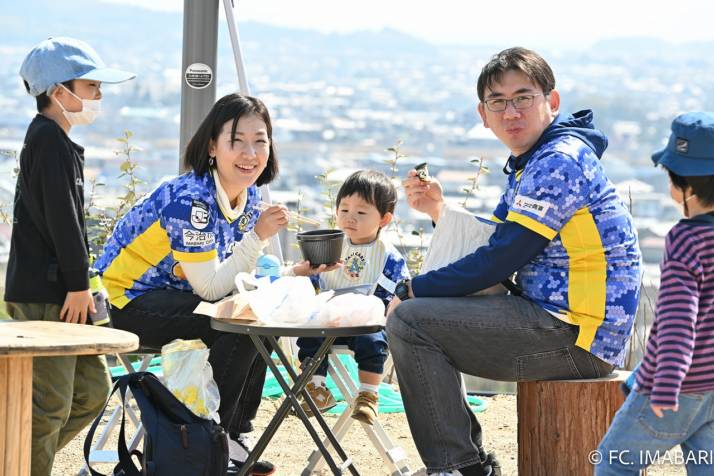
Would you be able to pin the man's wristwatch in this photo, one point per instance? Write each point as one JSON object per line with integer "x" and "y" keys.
{"x": 402, "y": 290}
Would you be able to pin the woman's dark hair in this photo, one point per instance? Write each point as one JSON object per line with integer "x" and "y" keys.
{"x": 229, "y": 108}
{"x": 520, "y": 59}
{"x": 43, "y": 100}
{"x": 373, "y": 187}
{"x": 702, "y": 186}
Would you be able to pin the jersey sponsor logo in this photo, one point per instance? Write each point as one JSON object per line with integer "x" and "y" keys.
{"x": 198, "y": 239}
{"x": 199, "y": 215}
{"x": 531, "y": 205}
{"x": 354, "y": 265}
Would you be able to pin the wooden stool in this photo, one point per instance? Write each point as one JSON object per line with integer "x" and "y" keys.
{"x": 560, "y": 422}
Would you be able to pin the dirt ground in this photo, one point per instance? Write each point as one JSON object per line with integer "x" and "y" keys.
{"x": 292, "y": 445}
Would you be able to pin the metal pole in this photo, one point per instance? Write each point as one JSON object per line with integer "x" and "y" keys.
{"x": 228, "y": 5}
{"x": 200, "y": 52}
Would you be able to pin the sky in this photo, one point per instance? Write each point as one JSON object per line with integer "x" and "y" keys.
{"x": 548, "y": 23}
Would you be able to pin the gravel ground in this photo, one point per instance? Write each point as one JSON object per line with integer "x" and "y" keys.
{"x": 291, "y": 445}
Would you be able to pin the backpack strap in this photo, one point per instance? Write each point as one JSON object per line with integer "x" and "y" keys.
{"x": 126, "y": 466}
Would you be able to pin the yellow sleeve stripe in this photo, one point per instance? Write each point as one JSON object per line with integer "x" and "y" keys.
{"x": 495, "y": 219}
{"x": 532, "y": 225}
{"x": 198, "y": 257}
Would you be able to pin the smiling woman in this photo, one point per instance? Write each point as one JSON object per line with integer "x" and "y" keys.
{"x": 186, "y": 242}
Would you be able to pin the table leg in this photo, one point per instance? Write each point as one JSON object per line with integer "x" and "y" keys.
{"x": 15, "y": 415}
{"x": 321, "y": 353}
{"x": 291, "y": 400}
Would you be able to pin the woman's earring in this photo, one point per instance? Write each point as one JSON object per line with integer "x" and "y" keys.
{"x": 211, "y": 161}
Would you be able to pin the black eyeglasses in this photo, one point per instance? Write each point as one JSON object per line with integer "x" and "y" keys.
{"x": 520, "y": 102}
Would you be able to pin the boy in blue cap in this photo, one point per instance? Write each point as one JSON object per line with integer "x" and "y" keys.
{"x": 672, "y": 402}
{"x": 47, "y": 274}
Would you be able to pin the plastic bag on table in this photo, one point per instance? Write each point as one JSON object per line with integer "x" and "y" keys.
{"x": 290, "y": 300}
{"x": 350, "y": 310}
{"x": 189, "y": 376}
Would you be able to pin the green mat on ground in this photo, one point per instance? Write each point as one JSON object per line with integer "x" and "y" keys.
{"x": 390, "y": 401}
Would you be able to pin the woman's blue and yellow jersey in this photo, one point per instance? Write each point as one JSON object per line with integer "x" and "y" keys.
{"x": 181, "y": 220}
{"x": 590, "y": 272}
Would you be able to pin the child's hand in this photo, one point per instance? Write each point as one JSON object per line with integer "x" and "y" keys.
{"x": 75, "y": 307}
{"x": 658, "y": 409}
{"x": 304, "y": 268}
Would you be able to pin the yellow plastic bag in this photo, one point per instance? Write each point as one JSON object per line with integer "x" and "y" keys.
{"x": 189, "y": 376}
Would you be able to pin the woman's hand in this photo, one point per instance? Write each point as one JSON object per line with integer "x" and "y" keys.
{"x": 304, "y": 268}
{"x": 271, "y": 220}
{"x": 76, "y": 306}
{"x": 424, "y": 196}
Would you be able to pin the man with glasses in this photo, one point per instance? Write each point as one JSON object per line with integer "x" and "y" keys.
{"x": 565, "y": 233}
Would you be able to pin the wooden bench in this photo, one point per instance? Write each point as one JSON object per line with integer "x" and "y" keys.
{"x": 560, "y": 422}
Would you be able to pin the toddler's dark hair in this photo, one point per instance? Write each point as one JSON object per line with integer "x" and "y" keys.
{"x": 373, "y": 187}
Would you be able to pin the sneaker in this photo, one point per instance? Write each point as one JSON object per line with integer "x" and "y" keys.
{"x": 489, "y": 467}
{"x": 321, "y": 396}
{"x": 493, "y": 463}
{"x": 239, "y": 448}
{"x": 366, "y": 407}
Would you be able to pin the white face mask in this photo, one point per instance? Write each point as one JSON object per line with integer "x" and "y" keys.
{"x": 90, "y": 110}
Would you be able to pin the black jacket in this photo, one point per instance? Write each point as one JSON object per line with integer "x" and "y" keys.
{"x": 48, "y": 251}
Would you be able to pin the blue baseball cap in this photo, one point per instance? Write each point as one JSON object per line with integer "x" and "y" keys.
{"x": 690, "y": 150}
{"x": 61, "y": 59}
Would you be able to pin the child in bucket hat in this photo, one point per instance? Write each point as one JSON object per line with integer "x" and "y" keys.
{"x": 672, "y": 402}
{"x": 47, "y": 273}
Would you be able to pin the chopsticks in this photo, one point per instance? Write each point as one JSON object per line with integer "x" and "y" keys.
{"x": 295, "y": 216}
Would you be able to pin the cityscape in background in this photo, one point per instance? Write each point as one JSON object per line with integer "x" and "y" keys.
{"x": 339, "y": 101}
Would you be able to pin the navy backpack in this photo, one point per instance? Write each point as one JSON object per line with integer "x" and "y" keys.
{"x": 176, "y": 442}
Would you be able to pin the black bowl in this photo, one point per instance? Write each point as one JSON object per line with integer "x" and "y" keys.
{"x": 321, "y": 246}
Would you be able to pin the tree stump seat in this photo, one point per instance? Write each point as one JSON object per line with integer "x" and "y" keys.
{"x": 560, "y": 422}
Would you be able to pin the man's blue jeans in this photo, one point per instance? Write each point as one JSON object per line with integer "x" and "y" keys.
{"x": 637, "y": 438}
{"x": 501, "y": 337}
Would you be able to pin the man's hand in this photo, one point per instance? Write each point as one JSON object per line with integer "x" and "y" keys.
{"x": 426, "y": 197}
{"x": 271, "y": 220}
{"x": 75, "y": 307}
{"x": 304, "y": 269}
{"x": 659, "y": 409}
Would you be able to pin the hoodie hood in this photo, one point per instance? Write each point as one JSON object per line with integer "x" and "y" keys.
{"x": 579, "y": 124}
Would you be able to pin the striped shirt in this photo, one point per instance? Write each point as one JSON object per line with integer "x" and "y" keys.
{"x": 680, "y": 350}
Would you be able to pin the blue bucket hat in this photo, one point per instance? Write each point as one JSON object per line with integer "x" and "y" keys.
{"x": 690, "y": 150}
{"x": 61, "y": 59}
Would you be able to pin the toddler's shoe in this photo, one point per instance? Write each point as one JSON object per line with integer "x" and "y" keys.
{"x": 366, "y": 407}
{"x": 321, "y": 396}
